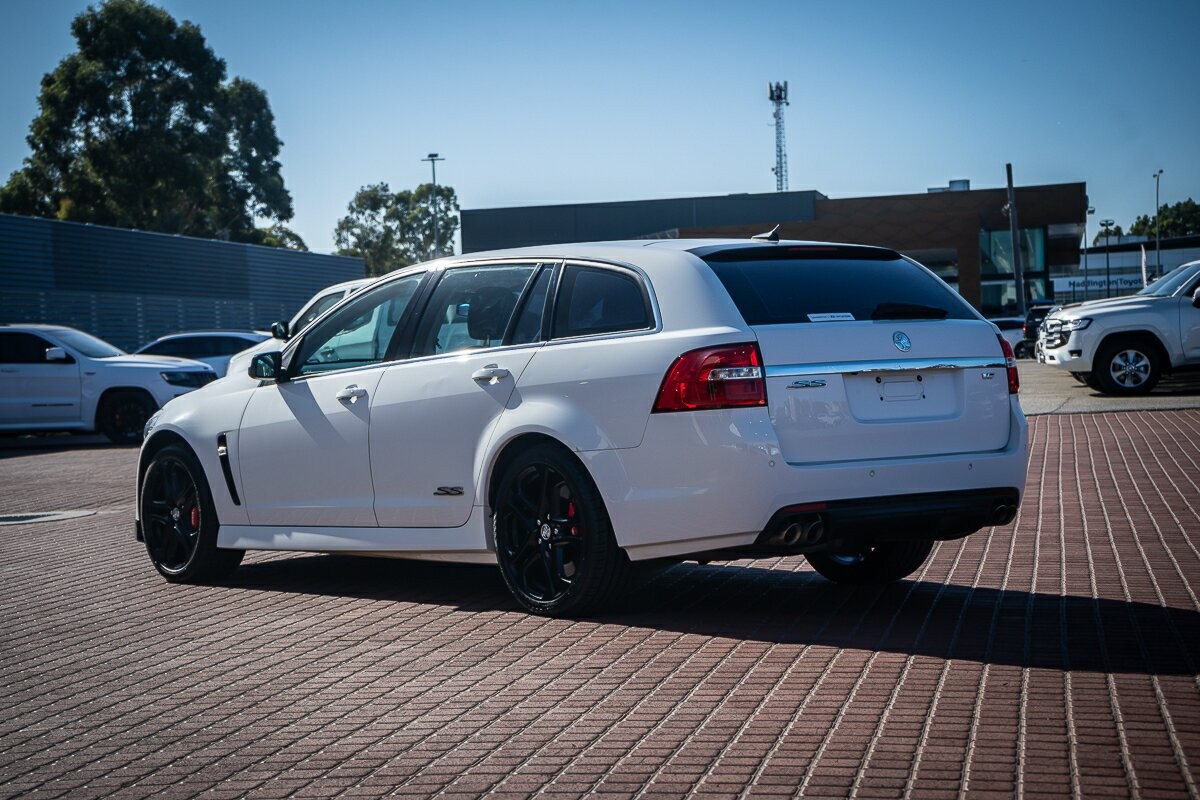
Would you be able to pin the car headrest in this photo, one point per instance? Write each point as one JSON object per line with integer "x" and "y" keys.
{"x": 487, "y": 317}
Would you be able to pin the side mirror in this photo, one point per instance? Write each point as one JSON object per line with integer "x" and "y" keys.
{"x": 1196, "y": 298}
{"x": 280, "y": 330}
{"x": 268, "y": 367}
{"x": 57, "y": 354}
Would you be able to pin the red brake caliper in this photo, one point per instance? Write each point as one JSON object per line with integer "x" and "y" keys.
{"x": 195, "y": 518}
{"x": 574, "y": 529}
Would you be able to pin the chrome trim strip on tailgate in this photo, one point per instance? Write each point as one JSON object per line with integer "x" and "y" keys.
{"x": 896, "y": 365}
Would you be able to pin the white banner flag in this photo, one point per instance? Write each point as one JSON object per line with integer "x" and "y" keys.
{"x": 1143, "y": 265}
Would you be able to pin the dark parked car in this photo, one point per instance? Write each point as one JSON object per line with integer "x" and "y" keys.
{"x": 1033, "y": 319}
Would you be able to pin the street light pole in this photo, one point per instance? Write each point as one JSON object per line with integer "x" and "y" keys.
{"x": 433, "y": 158}
{"x": 1090, "y": 210}
{"x": 1107, "y": 225}
{"x": 1157, "y": 228}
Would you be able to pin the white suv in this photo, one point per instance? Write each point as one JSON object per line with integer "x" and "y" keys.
{"x": 1124, "y": 345}
{"x": 565, "y": 410}
{"x": 54, "y": 378}
{"x": 317, "y": 305}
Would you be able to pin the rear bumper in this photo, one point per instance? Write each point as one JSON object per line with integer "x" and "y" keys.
{"x": 928, "y": 515}
{"x": 715, "y": 481}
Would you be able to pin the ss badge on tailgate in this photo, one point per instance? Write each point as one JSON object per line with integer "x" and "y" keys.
{"x": 812, "y": 383}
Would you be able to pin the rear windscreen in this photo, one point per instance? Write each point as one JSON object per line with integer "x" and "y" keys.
{"x": 788, "y": 290}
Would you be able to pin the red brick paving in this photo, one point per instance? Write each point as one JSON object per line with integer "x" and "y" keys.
{"x": 1053, "y": 657}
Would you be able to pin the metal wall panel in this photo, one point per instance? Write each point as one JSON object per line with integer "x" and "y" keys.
{"x": 132, "y": 286}
{"x": 498, "y": 228}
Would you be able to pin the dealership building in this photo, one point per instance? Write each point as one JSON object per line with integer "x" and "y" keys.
{"x": 960, "y": 233}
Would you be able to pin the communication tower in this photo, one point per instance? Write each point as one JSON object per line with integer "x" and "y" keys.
{"x": 778, "y": 94}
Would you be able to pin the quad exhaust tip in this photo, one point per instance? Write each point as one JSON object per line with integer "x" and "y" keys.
{"x": 802, "y": 533}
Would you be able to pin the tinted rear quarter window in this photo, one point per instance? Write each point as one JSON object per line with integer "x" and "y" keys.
{"x": 592, "y": 301}
{"x": 788, "y": 286}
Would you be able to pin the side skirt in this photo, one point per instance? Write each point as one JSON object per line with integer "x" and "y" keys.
{"x": 465, "y": 543}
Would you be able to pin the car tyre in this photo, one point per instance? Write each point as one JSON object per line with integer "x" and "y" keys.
{"x": 122, "y": 416}
{"x": 1126, "y": 367}
{"x": 179, "y": 520}
{"x": 554, "y": 541}
{"x": 882, "y": 562}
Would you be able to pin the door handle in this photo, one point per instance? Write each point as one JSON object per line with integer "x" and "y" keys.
{"x": 490, "y": 374}
{"x": 352, "y": 394}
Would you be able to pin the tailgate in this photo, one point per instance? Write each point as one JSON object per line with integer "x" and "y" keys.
{"x": 853, "y": 390}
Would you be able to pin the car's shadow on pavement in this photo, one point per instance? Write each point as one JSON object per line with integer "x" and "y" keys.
{"x": 917, "y": 618}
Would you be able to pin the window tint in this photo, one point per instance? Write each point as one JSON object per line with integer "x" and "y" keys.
{"x": 228, "y": 345}
{"x": 593, "y": 300}
{"x": 22, "y": 348}
{"x": 188, "y": 347}
{"x": 359, "y": 333}
{"x": 529, "y": 322}
{"x": 471, "y": 308}
{"x": 803, "y": 288}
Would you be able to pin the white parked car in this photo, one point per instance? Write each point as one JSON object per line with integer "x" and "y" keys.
{"x": 321, "y": 302}
{"x": 562, "y": 411}
{"x": 1124, "y": 345}
{"x": 1013, "y": 331}
{"x": 214, "y": 348}
{"x": 54, "y": 378}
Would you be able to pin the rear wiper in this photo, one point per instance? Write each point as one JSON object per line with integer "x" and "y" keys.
{"x": 907, "y": 311}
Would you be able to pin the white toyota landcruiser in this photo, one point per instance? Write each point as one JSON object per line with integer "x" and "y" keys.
{"x": 1123, "y": 345}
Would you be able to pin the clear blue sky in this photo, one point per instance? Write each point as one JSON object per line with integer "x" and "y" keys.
{"x": 560, "y": 102}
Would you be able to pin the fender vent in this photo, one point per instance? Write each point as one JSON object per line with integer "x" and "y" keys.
{"x": 226, "y": 470}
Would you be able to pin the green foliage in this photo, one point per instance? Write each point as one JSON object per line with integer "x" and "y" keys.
{"x": 281, "y": 236}
{"x": 1180, "y": 219}
{"x": 391, "y": 230}
{"x": 140, "y": 129}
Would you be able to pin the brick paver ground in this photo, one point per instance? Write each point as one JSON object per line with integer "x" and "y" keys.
{"x": 1053, "y": 657}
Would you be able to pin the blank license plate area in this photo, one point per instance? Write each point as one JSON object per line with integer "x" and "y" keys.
{"x": 904, "y": 395}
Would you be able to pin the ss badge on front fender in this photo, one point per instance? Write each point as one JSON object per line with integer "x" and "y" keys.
{"x": 448, "y": 491}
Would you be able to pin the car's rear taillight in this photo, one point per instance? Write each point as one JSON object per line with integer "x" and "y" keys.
{"x": 730, "y": 376}
{"x": 1010, "y": 361}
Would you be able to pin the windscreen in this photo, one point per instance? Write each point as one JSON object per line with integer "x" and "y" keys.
{"x": 1168, "y": 284}
{"x": 89, "y": 345}
{"x": 797, "y": 285}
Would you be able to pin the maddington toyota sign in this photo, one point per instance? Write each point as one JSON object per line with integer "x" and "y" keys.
{"x": 1095, "y": 285}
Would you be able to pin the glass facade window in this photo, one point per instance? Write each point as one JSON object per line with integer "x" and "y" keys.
{"x": 998, "y": 288}
{"x": 995, "y": 251}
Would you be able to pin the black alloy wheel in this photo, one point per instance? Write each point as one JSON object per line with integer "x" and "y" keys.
{"x": 554, "y": 543}
{"x": 179, "y": 522}
{"x": 122, "y": 416}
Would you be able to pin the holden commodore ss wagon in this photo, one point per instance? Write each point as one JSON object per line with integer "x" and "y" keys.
{"x": 566, "y": 411}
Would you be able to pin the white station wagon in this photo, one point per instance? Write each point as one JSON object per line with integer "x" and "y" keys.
{"x": 566, "y": 410}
